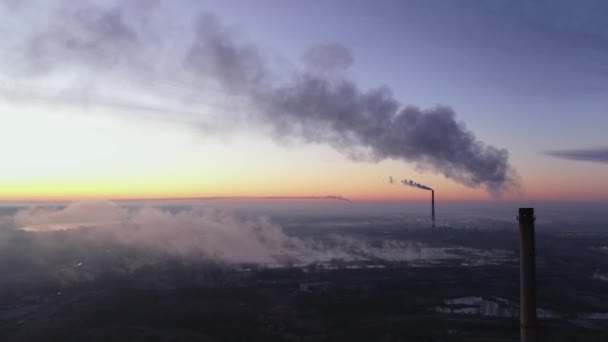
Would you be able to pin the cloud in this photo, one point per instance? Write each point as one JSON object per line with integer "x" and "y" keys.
{"x": 105, "y": 49}
{"x": 598, "y": 155}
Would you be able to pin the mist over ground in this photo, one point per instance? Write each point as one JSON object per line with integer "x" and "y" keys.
{"x": 76, "y": 268}
{"x": 272, "y": 233}
{"x": 267, "y": 233}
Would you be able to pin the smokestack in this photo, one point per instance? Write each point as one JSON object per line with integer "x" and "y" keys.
{"x": 527, "y": 266}
{"x": 423, "y": 187}
{"x": 433, "y": 206}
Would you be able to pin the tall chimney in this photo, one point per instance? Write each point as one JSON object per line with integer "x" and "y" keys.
{"x": 433, "y": 206}
{"x": 527, "y": 254}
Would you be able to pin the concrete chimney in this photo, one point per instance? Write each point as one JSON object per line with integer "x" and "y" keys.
{"x": 527, "y": 256}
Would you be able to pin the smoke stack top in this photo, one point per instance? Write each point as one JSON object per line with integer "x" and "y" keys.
{"x": 423, "y": 187}
{"x": 526, "y": 214}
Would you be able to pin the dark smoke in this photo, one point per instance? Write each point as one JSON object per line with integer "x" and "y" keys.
{"x": 368, "y": 125}
{"x": 415, "y": 185}
{"x": 317, "y": 103}
{"x": 598, "y": 155}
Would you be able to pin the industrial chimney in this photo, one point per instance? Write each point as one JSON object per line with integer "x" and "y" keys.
{"x": 527, "y": 255}
{"x": 433, "y": 206}
{"x": 423, "y": 187}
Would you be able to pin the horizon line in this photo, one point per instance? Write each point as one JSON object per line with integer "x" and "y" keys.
{"x": 336, "y": 198}
{"x": 270, "y": 199}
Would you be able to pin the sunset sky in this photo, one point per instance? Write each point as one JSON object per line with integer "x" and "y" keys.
{"x": 97, "y": 99}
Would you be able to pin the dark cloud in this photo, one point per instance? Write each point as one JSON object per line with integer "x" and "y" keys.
{"x": 307, "y": 104}
{"x": 598, "y": 155}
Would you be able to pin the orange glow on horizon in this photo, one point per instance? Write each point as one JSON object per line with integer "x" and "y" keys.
{"x": 291, "y": 197}
{"x": 378, "y": 194}
{"x": 364, "y": 186}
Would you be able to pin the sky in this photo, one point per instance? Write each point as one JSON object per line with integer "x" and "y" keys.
{"x": 480, "y": 100}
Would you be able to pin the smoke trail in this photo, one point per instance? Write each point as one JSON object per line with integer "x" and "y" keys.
{"x": 415, "y": 184}
{"x": 127, "y": 42}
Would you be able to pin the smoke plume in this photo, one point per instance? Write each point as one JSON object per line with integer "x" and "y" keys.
{"x": 106, "y": 51}
{"x": 415, "y": 184}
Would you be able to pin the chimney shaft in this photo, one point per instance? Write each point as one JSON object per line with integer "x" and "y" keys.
{"x": 527, "y": 255}
{"x": 433, "y": 206}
